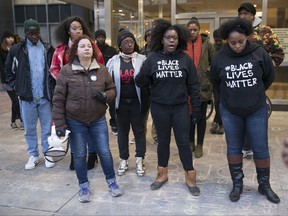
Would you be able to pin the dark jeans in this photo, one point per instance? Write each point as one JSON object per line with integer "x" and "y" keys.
{"x": 15, "y": 106}
{"x": 201, "y": 126}
{"x": 98, "y": 133}
{"x": 254, "y": 127}
{"x": 112, "y": 112}
{"x": 217, "y": 117}
{"x": 128, "y": 114}
{"x": 166, "y": 117}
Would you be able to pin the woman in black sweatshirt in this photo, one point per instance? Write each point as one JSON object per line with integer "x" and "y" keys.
{"x": 241, "y": 73}
{"x": 172, "y": 76}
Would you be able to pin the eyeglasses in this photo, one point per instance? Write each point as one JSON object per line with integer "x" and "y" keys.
{"x": 169, "y": 37}
{"x": 128, "y": 42}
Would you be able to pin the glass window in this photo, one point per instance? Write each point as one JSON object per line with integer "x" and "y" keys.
{"x": 220, "y": 6}
{"x": 277, "y": 18}
{"x": 30, "y": 12}
{"x": 125, "y": 15}
{"x": 19, "y": 14}
{"x": 41, "y": 13}
{"x": 65, "y": 11}
{"x": 53, "y": 13}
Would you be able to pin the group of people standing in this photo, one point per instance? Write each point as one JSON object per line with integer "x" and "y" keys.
{"x": 173, "y": 76}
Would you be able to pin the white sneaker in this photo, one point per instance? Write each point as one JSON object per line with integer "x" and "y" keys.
{"x": 123, "y": 166}
{"x": 49, "y": 164}
{"x": 32, "y": 162}
{"x": 140, "y": 167}
{"x": 247, "y": 154}
{"x": 132, "y": 141}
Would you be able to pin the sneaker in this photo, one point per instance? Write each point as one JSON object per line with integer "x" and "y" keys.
{"x": 220, "y": 129}
{"x": 22, "y": 126}
{"x": 132, "y": 141}
{"x": 114, "y": 189}
{"x": 123, "y": 166}
{"x": 155, "y": 142}
{"x": 84, "y": 193}
{"x": 114, "y": 131}
{"x": 14, "y": 126}
{"x": 32, "y": 162}
{"x": 247, "y": 154}
{"x": 213, "y": 129}
{"x": 140, "y": 167}
{"x": 49, "y": 163}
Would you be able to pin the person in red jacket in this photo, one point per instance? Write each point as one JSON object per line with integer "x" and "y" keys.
{"x": 65, "y": 34}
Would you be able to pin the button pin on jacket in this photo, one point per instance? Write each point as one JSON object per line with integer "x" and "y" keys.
{"x": 93, "y": 78}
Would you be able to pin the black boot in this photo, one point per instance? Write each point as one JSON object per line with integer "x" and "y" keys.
{"x": 72, "y": 163}
{"x": 236, "y": 176}
{"x": 92, "y": 158}
{"x": 263, "y": 176}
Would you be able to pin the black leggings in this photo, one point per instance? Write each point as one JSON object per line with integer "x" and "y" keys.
{"x": 166, "y": 117}
{"x": 15, "y": 106}
{"x": 201, "y": 126}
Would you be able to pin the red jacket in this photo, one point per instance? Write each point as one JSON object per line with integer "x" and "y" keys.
{"x": 60, "y": 59}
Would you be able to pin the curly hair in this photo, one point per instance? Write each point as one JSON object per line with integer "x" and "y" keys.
{"x": 73, "y": 50}
{"x": 161, "y": 26}
{"x": 61, "y": 32}
{"x": 241, "y": 26}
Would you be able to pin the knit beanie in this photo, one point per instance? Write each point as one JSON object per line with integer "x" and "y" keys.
{"x": 100, "y": 32}
{"x": 124, "y": 34}
{"x": 247, "y": 6}
{"x": 31, "y": 24}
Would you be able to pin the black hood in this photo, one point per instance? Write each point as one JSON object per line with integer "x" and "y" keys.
{"x": 250, "y": 47}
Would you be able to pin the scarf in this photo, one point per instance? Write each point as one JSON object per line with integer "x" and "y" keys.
{"x": 194, "y": 50}
{"x": 125, "y": 56}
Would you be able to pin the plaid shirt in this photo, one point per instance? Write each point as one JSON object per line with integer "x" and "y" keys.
{"x": 267, "y": 38}
{"x": 60, "y": 58}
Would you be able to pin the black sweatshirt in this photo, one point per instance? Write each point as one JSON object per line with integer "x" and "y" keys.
{"x": 172, "y": 78}
{"x": 241, "y": 79}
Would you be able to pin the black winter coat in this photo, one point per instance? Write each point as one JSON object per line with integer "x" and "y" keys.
{"x": 18, "y": 71}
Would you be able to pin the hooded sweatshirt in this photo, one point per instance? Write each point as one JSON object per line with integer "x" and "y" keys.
{"x": 242, "y": 78}
{"x": 172, "y": 78}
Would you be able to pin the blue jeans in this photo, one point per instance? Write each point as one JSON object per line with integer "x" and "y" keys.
{"x": 30, "y": 111}
{"x": 254, "y": 127}
{"x": 98, "y": 133}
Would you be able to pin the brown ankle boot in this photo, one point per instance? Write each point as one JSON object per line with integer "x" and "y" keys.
{"x": 190, "y": 179}
{"x": 161, "y": 178}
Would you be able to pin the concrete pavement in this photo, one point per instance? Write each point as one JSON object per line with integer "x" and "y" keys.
{"x": 53, "y": 191}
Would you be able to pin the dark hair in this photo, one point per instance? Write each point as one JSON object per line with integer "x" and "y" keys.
{"x": 195, "y": 21}
{"x": 216, "y": 33}
{"x": 242, "y": 26}
{"x": 6, "y": 34}
{"x": 61, "y": 32}
{"x": 73, "y": 50}
{"x": 160, "y": 27}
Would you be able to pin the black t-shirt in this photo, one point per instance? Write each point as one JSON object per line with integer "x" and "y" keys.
{"x": 128, "y": 89}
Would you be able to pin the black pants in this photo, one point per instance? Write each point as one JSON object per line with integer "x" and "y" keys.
{"x": 112, "y": 112}
{"x": 166, "y": 117}
{"x": 201, "y": 126}
{"x": 217, "y": 117}
{"x": 129, "y": 113}
{"x": 15, "y": 106}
